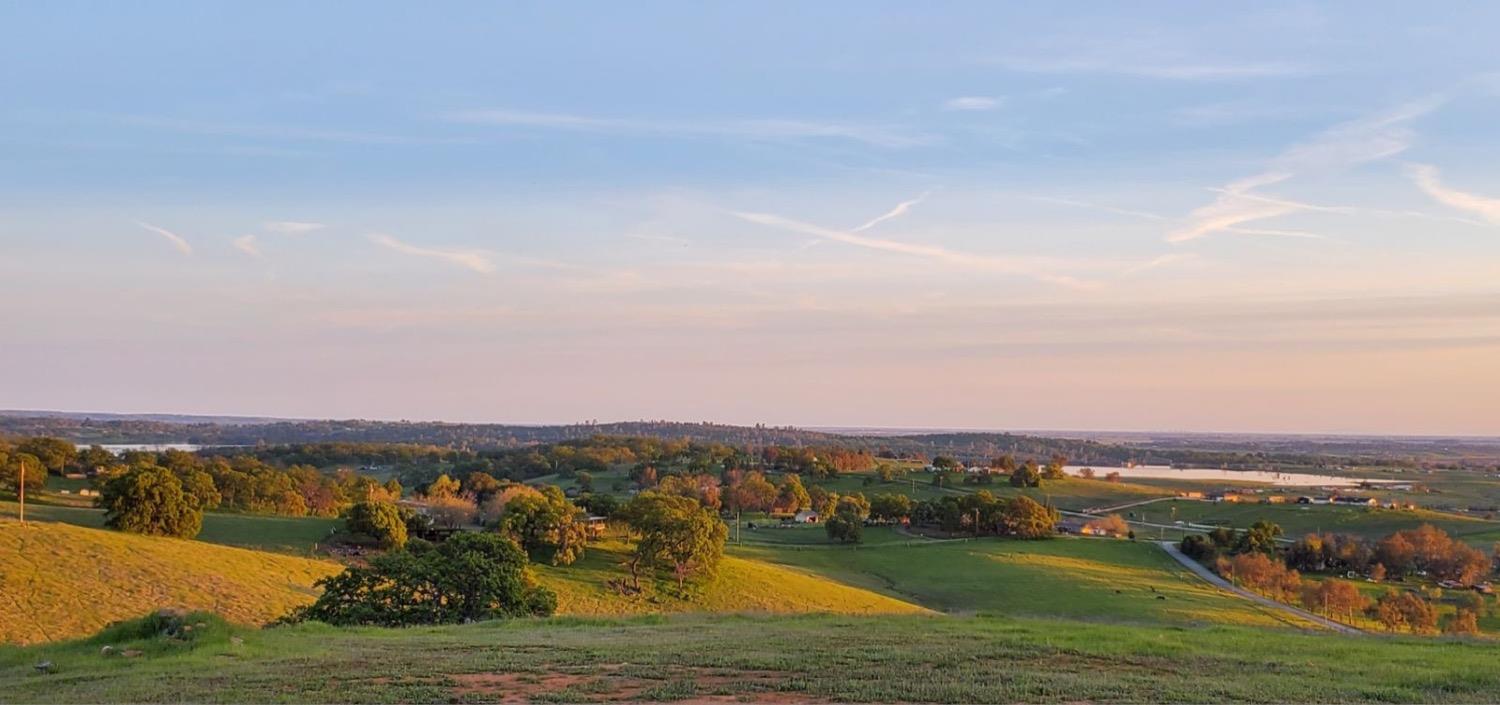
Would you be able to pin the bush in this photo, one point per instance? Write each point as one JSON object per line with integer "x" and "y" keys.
{"x": 469, "y": 577}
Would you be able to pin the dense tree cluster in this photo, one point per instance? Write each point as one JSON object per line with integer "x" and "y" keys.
{"x": 469, "y": 577}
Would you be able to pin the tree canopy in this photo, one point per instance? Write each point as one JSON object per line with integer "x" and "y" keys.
{"x": 150, "y": 500}
{"x": 469, "y": 577}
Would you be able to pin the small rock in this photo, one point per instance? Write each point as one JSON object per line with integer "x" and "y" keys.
{"x": 236, "y": 641}
{"x": 201, "y": 625}
{"x": 130, "y": 653}
{"x": 44, "y": 667}
{"x": 187, "y": 627}
{"x": 107, "y": 650}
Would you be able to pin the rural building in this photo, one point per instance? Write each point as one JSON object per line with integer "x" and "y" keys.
{"x": 1356, "y": 501}
{"x": 597, "y": 526}
{"x": 1190, "y": 494}
{"x": 806, "y": 516}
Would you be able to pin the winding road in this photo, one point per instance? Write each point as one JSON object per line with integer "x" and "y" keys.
{"x": 1208, "y": 575}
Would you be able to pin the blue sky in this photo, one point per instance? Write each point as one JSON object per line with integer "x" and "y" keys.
{"x": 982, "y": 215}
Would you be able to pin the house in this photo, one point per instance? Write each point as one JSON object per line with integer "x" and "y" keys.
{"x": 977, "y": 470}
{"x": 1312, "y": 500}
{"x": 1069, "y": 525}
{"x": 1276, "y": 499}
{"x": 1190, "y": 494}
{"x": 806, "y": 516}
{"x": 1356, "y": 501}
{"x": 596, "y": 526}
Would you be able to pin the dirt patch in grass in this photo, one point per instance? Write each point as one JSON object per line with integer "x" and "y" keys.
{"x": 681, "y": 684}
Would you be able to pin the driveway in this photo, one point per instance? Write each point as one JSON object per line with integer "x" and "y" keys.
{"x": 1211, "y": 577}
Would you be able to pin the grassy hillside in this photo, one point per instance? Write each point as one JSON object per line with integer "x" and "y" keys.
{"x": 1077, "y": 578}
{"x": 742, "y": 585}
{"x": 1299, "y": 519}
{"x": 60, "y": 581}
{"x": 267, "y": 533}
{"x": 801, "y": 659}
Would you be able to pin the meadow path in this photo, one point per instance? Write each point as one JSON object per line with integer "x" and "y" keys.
{"x": 1206, "y": 574}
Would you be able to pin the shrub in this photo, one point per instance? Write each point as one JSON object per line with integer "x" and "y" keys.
{"x": 469, "y": 577}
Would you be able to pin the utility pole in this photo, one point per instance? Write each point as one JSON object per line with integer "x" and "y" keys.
{"x": 22, "y": 487}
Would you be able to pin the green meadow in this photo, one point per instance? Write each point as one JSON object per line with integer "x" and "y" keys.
{"x": 786, "y": 659}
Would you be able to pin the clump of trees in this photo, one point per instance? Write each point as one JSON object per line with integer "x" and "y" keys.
{"x": 981, "y": 513}
{"x": 1253, "y": 559}
{"x": 470, "y": 577}
{"x": 676, "y": 537}
{"x": 1425, "y": 548}
{"x": 1263, "y": 574}
{"x": 150, "y": 500}
{"x": 382, "y": 521}
{"x": 548, "y": 526}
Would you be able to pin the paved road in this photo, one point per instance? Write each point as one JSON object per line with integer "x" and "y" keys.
{"x": 1206, "y": 574}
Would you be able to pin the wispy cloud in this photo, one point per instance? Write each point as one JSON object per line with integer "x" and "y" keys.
{"x": 176, "y": 240}
{"x": 291, "y": 227}
{"x": 1184, "y": 70}
{"x": 1034, "y": 267}
{"x": 1427, "y": 178}
{"x": 901, "y": 209}
{"x": 1099, "y": 207}
{"x": 749, "y": 129}
{"x": 473, "y": 260}
{"x": 973, "y": 102}
{"x": 1341, "y": 147}
{"x": 248, "y": 245}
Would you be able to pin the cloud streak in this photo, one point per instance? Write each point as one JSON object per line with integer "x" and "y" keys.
{"x": 901, "y": 209}
{"x": 1427, "y": 178}
{"x": 176, "y": 240}
{"x": 972, "y": 103}
{"x": 1343, "y": 146}
{"x": 291, "y": 227}
{"x": 1164, "y": 70}
{"x": 1035, "y": 268}
{"x": 248, "y": 245}
{"x": 473, "y": 260}
{"x": 753, "y": 129}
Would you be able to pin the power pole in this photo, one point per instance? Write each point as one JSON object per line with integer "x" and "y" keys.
{"x": 22, "y": 488}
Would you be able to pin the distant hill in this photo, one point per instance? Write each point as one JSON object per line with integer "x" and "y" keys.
{"x": 1235, "y": 451}
{"x": 63, "y": 581}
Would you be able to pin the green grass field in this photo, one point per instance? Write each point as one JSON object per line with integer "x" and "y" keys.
{"x": 799, "y": 659}
{"x": 1102, "y": 580}
{"x": 743, "y": 584}
{"x": 295, "y": 535}
{"x": 1297, "y": 520}
{"x": 60, "y": 581}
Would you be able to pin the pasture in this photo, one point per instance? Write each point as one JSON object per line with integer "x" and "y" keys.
{"x": 1089, "y": 579}
{"x": 294, "y": 535}
{"x": 61, "y": 581}
{"x": 798, "y": 659}
{"x": 1297, "y": 520}
{"x": 743, "y": 584}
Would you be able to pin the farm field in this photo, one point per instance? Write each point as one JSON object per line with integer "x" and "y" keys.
{"x": 62, "y": 581}
{"x": 1104, "y": 580}
{"x": 294, "y": 535}
{"x": 797, "y": 659}
{"x": 1299, "y": 519}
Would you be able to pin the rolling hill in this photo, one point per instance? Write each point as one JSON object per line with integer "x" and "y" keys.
{"x": 60, "y": 581}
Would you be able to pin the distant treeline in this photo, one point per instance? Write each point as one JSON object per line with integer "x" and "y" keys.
{"x": 1244, "y": 452}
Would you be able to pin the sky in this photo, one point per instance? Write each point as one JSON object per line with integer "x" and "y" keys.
{"x": 1111, "y": 216}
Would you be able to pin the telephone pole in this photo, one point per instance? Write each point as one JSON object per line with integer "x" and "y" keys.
{"x": 22, "y": 488}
